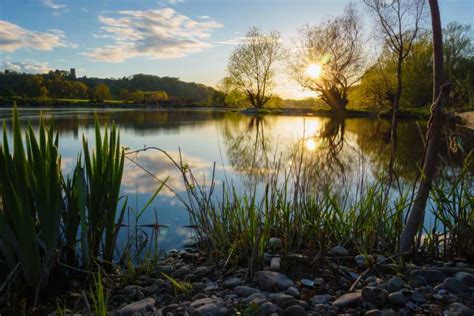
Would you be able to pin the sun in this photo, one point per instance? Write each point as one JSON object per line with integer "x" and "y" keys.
{"x": 314, "y": 71}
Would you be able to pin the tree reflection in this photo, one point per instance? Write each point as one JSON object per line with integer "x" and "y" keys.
{"x": 247, "y": 146}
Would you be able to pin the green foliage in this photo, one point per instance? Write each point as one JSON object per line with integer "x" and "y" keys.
{"x": 99, "y": 297}
{"x": 179, "y": 287}
{"x": 32, "y": 201}
{"x": 104, "y": 169}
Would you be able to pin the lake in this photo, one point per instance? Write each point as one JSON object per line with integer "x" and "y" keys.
{"x": 241, "y": 149}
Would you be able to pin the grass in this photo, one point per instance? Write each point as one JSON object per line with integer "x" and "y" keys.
{"x": 237, "y": 227}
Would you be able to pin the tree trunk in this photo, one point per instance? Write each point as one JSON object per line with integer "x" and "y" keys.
{"x": 440, "y": 96}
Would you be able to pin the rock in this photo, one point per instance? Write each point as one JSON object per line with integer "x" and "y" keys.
{"x": 272, "y": 281}
{"x": 459, "y": 309}
{"x": 256, "y": 298}
{"x": 453, "y": 285}
{"x": 293, "y": 292}
{"x": 381, "y": 259}
{"x": 275, "y": 243}
{"x": 245, "y": 291}
{"x": 417, "y": 297}
{"x": 466, "y": 278}
{"x": 208, "y": 310}
{"x": 395, "y": 284}
{"x": 201, "y": 302}
{"x": 202, "y": 271}
{"x": 320, "y": 299}
{"x": 430, "y": 275}
{"x": 232, "y": 282}
{"x": 295, "y": 310}
{"x": 348, "y": 299}
{"x": 388, "y": 312}
{"x": 307, "y": 282}
{"x": 275, "y": 264}
{"x": 397, "y": 298}
{"x": 280, "y": 298}
{"x": 374, "y": 295}
{"x": 373, "y": 312}
{"x": 338, "y": 251}
{"x": 141, "y": 306}
{"x": 270, "y": 308}
{"x": 361, "y": 261}
{"x": 181, "y": 272}
{"x": 417, "y": 281}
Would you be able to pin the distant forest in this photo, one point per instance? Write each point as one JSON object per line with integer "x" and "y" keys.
{"x": 139, "y": 88}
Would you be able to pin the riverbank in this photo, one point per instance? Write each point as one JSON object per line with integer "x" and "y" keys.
{"x": 186, "y": 282}
{"x": 406, "y": 113}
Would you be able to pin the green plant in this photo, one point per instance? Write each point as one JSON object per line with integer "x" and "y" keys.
{"x": 32, "y": 201}
{"x": 99, "y": 297}
{"x": 104, "y": 169}
{"x": 179, "y": 287}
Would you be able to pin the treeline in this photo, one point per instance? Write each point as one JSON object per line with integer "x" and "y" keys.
{"x": 377, "y": 87}
{"x": 139, "y": 88}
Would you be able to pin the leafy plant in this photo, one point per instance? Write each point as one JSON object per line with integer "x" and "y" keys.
{"x": 32, "y": 201}
{"x": 103, "y": 169}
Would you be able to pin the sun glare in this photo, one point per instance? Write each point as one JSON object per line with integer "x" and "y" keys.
{"x": 310, "y": 144}
{"x": 314, "y": 71}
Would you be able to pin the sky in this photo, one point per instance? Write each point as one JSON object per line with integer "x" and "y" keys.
{"x": 189, "y": 39}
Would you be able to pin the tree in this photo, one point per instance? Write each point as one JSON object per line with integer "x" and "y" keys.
{"x": 435, "y": 124}
{"x": 399, "y": 22}
{"x": 457, "y": 45}
{"x": 251, "y": 65}
{"x": 330, "y": 59}
{"x": 101, "y": 93}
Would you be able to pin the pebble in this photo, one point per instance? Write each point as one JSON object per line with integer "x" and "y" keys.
{"x": 374, "y": 295}
{"x": 348, "y": 299}
{"x": 395, "y": 284}
{"x": 275, "y": 243}
{"x": 320, "y": 299}
{"x": 270, "y": 308}
{"x": 373, "y": 312}
{"x": 430, "y": 275}
{"x": 272, "y": 281}
{"x": 181, "y": 272}
{"x": 338, "y": 251}
{"x": 361, "y": 261}
{"x": 459, "y": 309}
{"x": 466, "y": 278}
{"x": 141, "y": 306}
{"x": 453, "y": 285}
{"x": 396, "y": 298}
{"x": 417, "y": 297}
{"x": 245, "y": 291}
{"x": 256, "y": 298}
{"x": 293, "y": 291}
{"x": 232, "y": 282}
{"x": 275, "y": 264}
{"x": 208, "y": 310}
{"x": 295, "y": 310}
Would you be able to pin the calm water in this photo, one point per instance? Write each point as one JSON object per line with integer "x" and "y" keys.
{"x": 340, "y": 153}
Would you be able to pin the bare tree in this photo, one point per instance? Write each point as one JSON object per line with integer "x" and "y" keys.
{"x": 435, "y": 123}
{"x": 399, "y": 22}
{"x": 335, "y": 47}
{"x": 251, "y": 65}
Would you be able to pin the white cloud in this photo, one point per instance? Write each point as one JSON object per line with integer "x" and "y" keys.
{"x": 162, "y": 33}
{"x": 58, "y": 8}
{"x": 233, "y": 41}
{"x": 175, "y": 1}
{"x": 27, "y": 66}
{"x": 14, "y": 37}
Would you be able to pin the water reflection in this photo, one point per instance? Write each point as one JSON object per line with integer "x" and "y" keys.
{"x": 319, "y": 151}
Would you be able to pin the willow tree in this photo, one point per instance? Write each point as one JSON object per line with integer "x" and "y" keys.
{"x": 251, "y": 67}
{"x": 330, "y": 58}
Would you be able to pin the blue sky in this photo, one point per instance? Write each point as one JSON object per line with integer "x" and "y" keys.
{"x": 189, "y": 39}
